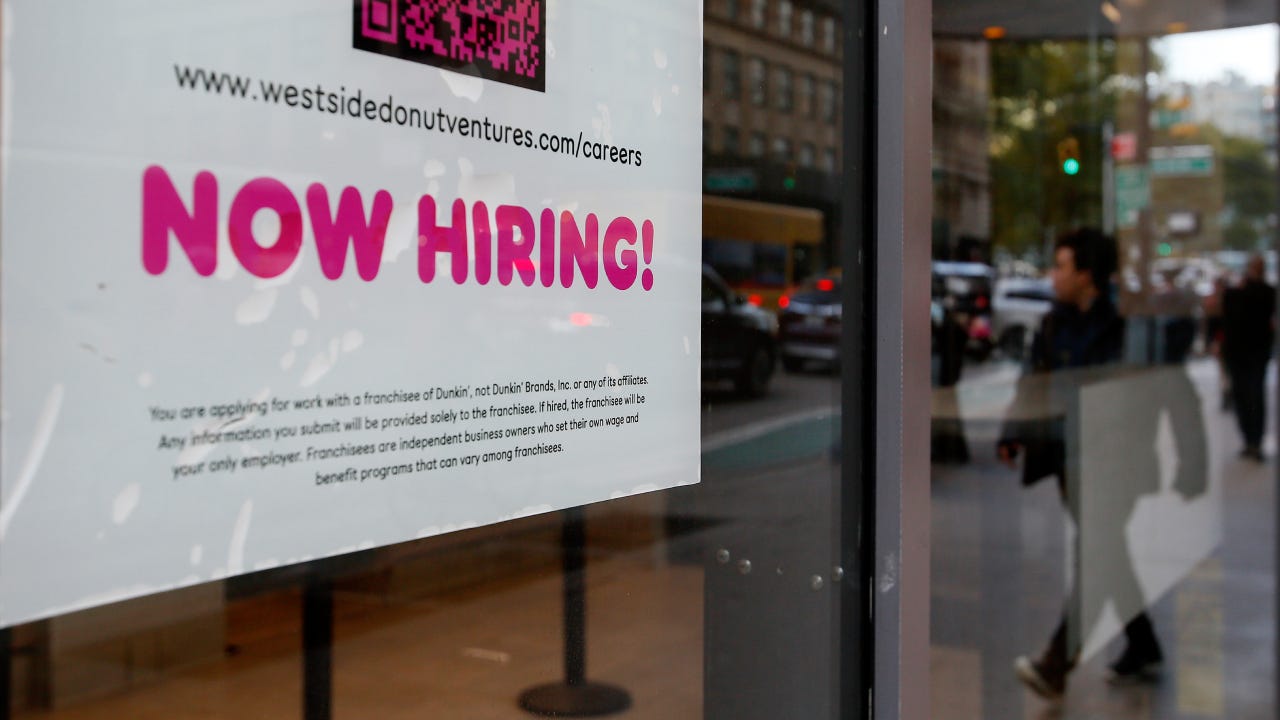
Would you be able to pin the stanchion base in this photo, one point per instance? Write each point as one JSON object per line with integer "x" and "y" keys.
{"x": 564, "y": 700}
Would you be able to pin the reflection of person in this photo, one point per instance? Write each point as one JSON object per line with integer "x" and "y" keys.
{"x": 1213, "y": 336}
{"x": 1084, "y": 330}
{"x": 1248, "y": 333}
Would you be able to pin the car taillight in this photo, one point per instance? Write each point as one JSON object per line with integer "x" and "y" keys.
{"x": 784, "y": 301}
{"x": 755, "y": 300}
{"x": 826, "y": 285}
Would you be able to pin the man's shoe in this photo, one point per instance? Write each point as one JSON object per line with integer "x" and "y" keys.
{"x": 1252, "y": 452}
{"x": 1135, "y": 666}
{"x": 1042, "y": 680}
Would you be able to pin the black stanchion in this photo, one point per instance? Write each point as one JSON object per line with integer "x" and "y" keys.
{"x": 317, "y": 647}
{"x": 6, "y": 672}
{"x": 574, "y": 696}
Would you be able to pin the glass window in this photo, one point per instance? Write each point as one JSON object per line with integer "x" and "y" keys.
{"x": 785, "y": 12}
{"x": 829, "y": 34}
{"x": 829, "y": 160}
{"x": 782, "y": 149}
{"x": 808, "y": 101}
{"x": 759, "y": 86}
{"x": 708, "y": 75}
{"x": 732, "y": 141}
{"x": 732, "y": 75}
{"x": 716, "y": 575}
{"x": 806, "y": 27}
{"x": 1097, "y": 265}
{"x": 785, "y": 96}
{"x": 806, "y": 155}
{"x": 827, "y": 101}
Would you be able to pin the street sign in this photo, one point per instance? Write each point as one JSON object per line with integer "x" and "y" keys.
{"x": 1182, "y": 160}
{"x": 731, "y": 180}
{"x": 1124, "y": 147}
{"x": 1133, "y": 194}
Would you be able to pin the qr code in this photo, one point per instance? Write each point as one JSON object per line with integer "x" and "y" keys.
{"x": 505, "y": 40}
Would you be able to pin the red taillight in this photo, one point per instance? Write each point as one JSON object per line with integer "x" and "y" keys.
{"x": 784, "y": 301}
{"x": 826, "y": 285}
{"x": 580, "y": 319}
{"x": 755, "y": 300}
{"x": 982, "y": 302}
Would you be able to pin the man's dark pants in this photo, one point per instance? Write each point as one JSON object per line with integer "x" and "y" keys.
{"x": 1248, "y": 390}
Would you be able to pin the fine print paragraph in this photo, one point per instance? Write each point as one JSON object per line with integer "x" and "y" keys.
{"x": 349, "y": 436}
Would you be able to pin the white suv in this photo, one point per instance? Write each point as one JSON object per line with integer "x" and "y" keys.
{"x": 1017, "y": 305}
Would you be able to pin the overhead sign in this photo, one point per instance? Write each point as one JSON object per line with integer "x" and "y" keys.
{"x": 285, "y": 280}
{"x": 1186, "y": 160}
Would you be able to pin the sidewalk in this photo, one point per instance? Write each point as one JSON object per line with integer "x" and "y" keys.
{"x": 997, "y": 585}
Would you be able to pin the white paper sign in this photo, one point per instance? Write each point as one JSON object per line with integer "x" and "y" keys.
{"x": 288, "y": 279}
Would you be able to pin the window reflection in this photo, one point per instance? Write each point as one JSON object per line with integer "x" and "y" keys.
{"x": 1114, "y": 395}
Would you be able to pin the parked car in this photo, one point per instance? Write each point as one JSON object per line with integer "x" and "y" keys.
{"x": 964, "y": 291}
{"x": 1017, "y": 307}
{"x": 809, "y": 323}
{"x": 739, "y": 340}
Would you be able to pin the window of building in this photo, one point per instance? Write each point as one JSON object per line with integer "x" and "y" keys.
{"x": 732, "y": 75}
{"x": 758, "y": 12}
{"x": 807, "y": 89}
{"x": 782, "y": 149}
{"x": 806, "y": 155}
{"x": 756, "y": 77}
{"x": 785, "y": 12}
{"x": 829, "y": 34}
{"x": 756, "y": 147}
{"x": 706, "y": 61}
{"x": 732, "y": 142}
{"x": 829, "y": 160}
{"x": 827, "y": 101}
{"x": 731, "y": 9}
{"x": 806, "y": 27}
{"x": 785, "y": 92}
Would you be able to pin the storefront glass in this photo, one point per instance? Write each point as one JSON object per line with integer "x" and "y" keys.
{"x": 708, "y": 567}
{"x": 1103, "y": 297}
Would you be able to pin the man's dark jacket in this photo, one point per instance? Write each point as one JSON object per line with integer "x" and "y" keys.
{"x": 1246, "y": 318}
{"x": 1067, "y": 338}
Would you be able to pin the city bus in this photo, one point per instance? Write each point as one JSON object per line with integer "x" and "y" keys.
{"x": 760, "y": 249}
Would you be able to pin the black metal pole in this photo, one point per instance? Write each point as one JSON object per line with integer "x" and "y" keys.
{"x": 575, "y": 598}
{"x": 574, "y": 696}
{"x": 6, "y": 672}
{"x": 317, "y": 647}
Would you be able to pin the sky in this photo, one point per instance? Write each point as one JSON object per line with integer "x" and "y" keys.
{"x": 1201, "y": 56}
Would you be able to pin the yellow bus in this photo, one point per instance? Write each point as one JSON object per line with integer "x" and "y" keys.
{"x": 760, "y": 249}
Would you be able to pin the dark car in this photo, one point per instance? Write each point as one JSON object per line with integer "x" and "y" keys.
{"x": 964, "y": 291}
{"x": 739, "y": 340}
{"x": 809, "y": 324}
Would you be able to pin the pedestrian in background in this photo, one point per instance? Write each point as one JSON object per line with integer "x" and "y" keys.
{"x": 1248, "y": 318}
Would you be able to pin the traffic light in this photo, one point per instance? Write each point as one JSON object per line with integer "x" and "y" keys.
{"x": 1069, "y": 155}
{"x": 789, "y": 179}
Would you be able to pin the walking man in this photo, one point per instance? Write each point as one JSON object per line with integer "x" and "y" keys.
{"x": 1248, "y": 334}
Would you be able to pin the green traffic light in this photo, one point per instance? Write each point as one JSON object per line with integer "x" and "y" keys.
{"x": 789, "y": 183}
{"x": 1071, "y": 166}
